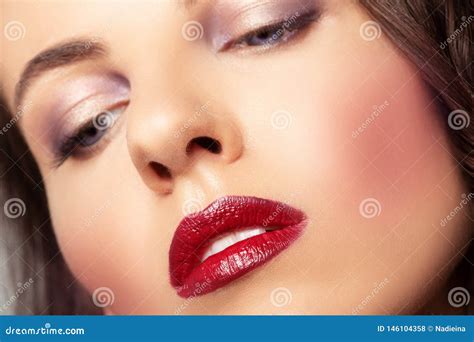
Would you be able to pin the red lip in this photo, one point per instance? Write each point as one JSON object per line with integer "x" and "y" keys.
{"x": 191, "y": 277}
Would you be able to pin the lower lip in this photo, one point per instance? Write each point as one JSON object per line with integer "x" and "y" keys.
{"x": 240, "y": 258}
{"x": 233, "y": 262}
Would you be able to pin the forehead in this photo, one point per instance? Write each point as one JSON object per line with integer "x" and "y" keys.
{"x": 31, "y": 26}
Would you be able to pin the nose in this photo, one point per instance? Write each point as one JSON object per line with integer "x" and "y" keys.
{"x": 166, "y": 141}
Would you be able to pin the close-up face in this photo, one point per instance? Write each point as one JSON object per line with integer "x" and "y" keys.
{"x": 236, "y": 157}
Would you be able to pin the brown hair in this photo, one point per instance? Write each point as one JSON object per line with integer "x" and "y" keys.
{"x": 432, "y": 34}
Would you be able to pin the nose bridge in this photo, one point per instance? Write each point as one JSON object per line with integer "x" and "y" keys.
{"x": 173, "y": 119}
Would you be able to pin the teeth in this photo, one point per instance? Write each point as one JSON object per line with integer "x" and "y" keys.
{"x": 229, "y": 239}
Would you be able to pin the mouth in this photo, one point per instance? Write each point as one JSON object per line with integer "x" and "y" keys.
{"x": 228, "y": 239}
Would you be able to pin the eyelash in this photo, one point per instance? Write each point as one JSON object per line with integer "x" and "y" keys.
{"x": 73, "y": 145}
{"x": 302, "y": 23}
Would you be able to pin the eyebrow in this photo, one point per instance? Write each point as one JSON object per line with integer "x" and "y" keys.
{"x": 66, "y": 53}
{"x": 62, "y": 54}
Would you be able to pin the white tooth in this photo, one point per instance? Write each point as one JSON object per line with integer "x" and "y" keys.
{"x": 207, "y": 254}
{"x": 248, "y": 233}
{"x": 224, "y": 242}
{"x": 231, "y": 238}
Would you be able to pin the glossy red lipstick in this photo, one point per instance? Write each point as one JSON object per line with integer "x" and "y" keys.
{"x": 192, "y": 273}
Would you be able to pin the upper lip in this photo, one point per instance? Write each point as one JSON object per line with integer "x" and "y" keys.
{"x": 223, "y": 215}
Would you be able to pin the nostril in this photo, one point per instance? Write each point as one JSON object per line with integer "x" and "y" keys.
{"x": 210, "y": 144}
{"x": 161, "y": 170}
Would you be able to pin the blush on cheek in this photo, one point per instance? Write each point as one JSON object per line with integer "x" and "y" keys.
{"x": 404, "y": 149}
{"x": 393, "y": 146}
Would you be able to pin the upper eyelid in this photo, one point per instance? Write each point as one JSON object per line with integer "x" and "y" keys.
{"x": 120, "y": 84}
{"x": 89, "y": 120}
{"x": 85, "y": 109}
{"x": 233, "y": 21}
{"x": 60, "y": 159}
{"x": 307, "y": 19}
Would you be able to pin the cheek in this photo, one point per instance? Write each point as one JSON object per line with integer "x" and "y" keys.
{"x": 394, "y": 150}
{"x": 101, "y": 226}
{"x": 368, "y": 151}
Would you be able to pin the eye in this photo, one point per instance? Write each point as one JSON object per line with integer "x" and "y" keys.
{"x": 89, "y": 136}
{"x": 274, "y": 34}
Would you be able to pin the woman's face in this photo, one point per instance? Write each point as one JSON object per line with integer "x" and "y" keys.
{"x": 145, "y": 112}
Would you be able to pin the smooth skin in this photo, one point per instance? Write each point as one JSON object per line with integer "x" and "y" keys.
{"x": 284, "y": 117}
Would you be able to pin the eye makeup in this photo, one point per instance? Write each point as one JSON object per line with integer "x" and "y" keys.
{"x": 237, "y": 24}
{"x": 83, "y": 112}
{"x": 90, "y": 136}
